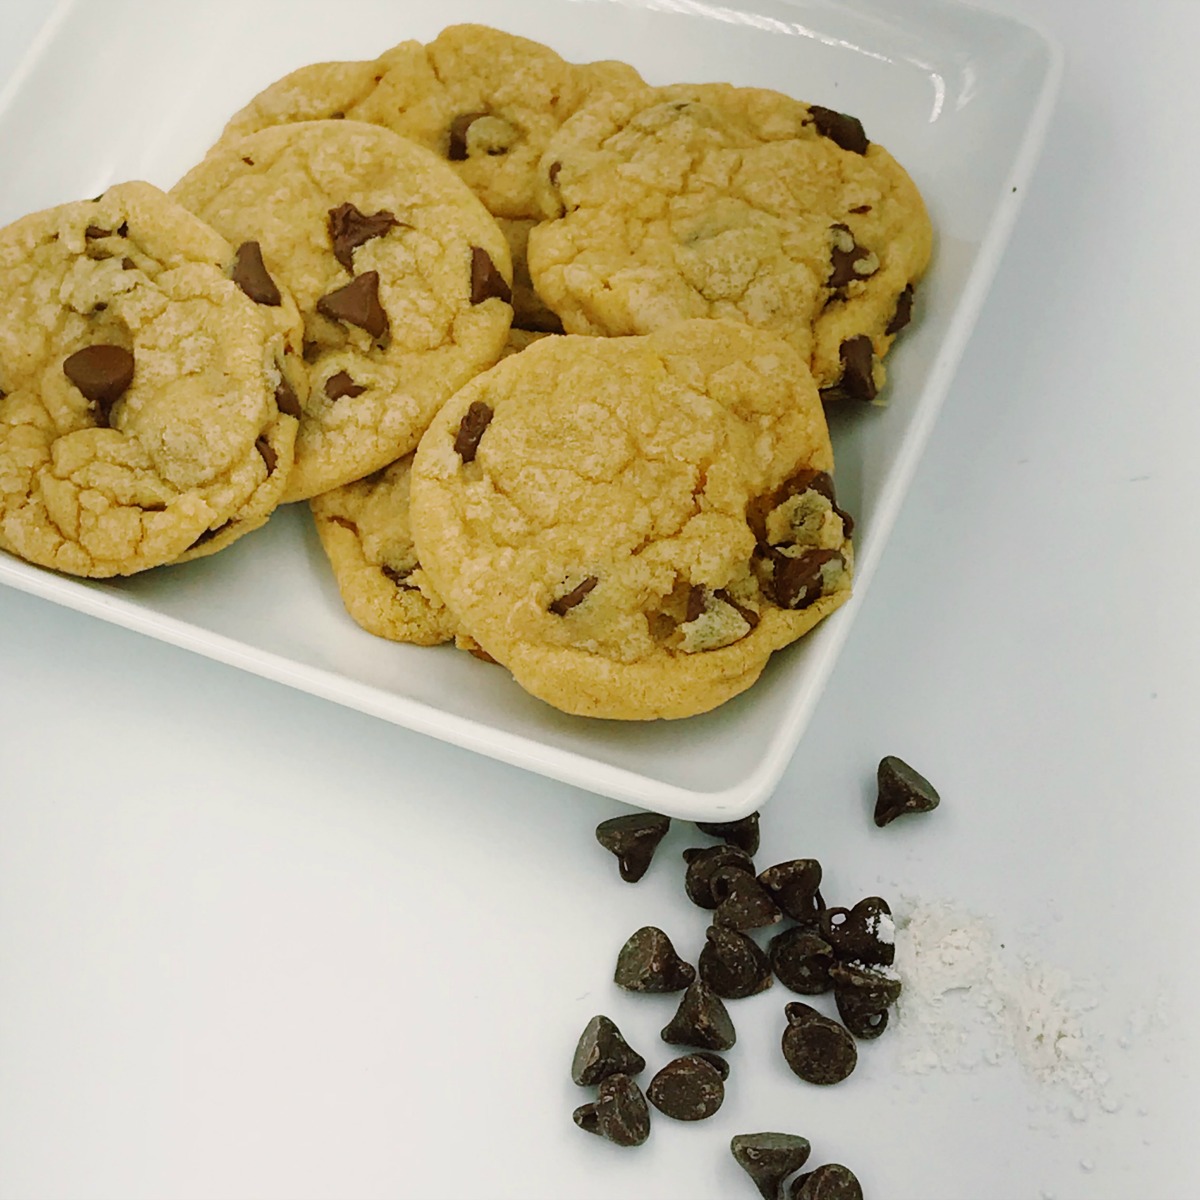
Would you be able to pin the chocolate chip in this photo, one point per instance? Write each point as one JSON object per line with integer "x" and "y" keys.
{"x": 123, "y": 229}
{"x": 747, "y": 614}
{"x": 127, "y": 264}
{"x": 687, "y": 1089}
{"x": 602, "y": 1052}
{"x": 802, "y": 481}
{"x": 339, "y": 385}
{"x": 797, "y": 582}
{"x": 701, "y": 1020}
{"x": 400, "y": 576}
{"x": 861, "y": 208}
{"x": 564, "y": 604}
{"x": 267, "y": 451}
{"x": 846, "y": 131}
{"x": 648, "y": 963}
{"x": 869, "y": 985}
{"x": 633, "y": 839}
{"x": 349, "y": 229}
{"x": 94, "y": 231}
{"x": 857, "y": 356}
{"x": 902, "y": 790}
{"x": 801, "y": 961}
{"x": 357, "y": 304}
{"x": 702, "y": 864}
{"x": 769, "y": 1158}
{"x": 247, "y": 160}
{"x": 471, "y": 429}
{"x": 285, "y": 400}
{"x": 486, "y": 281}
{"x": 864, "y": 933}
{"x": 817, "y": 1049}
{"x": 719, "y": 1064}
{"x": 742, "y": 902}
{"x": 830, "y": 1182}
{"x": 795, "y": 886}
{"x": 844, "y": 263}
{"x": 251, "y": 275}
{"x": 733, "y": 965}
{"x": 458, "y": 135}
{"x": 552, "y": 173}
{"x": 742, "y": 833}
{"x": 864, "y": 1019}
{"x": 619, "y": 1114}
{"x": 101, "y": 373}
{"x": 903, "y": 313}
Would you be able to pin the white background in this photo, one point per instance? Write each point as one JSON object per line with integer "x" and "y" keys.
{"x": 256, "y": 945}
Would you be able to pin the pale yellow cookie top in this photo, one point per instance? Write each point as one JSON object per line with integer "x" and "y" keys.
{"x": 424, "y": 324}
{"x": 709, "y": 200}
{"x": 583, "y": 509}
{"x": 129, "y": 298}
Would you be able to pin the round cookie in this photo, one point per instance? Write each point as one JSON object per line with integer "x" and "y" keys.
{"x": 632, "y": 526}
{"x": 486, "y": 101}
{"x": 400, "y": 274}
{"x": 710, "y": 200}
{"x": 138, "y": 419}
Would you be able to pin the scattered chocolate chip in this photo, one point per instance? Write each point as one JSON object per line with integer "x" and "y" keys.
{"x": 349, "y": 229}
{"x": 797, "y": 582}
{"x": 94, "y": 231}
{"x": 747, "y": 614}
{"x": 844, "y": 130}
{"x": 127, "y": 264}
{"x": 742, "y": 833}
{"x": 648, "y": 963}
{"x": 619, "y": 1114}
{"x": 801, "y": 961}
{"x": 864, "y": 1019}
{"x": 486, "y": 281}
{"x": 357, "y": 304}
{"x": 857, "y": 356}
{"x": 602, "y": 1052}
{"x": 903, "y": 313}
{"x": 817, "y": 1049}
{"x": 719, "y": 1064}
{"x": 251, "y": 275}
{"x": 702, "y": 864}
{"x": 830, "y": 1182}
{"x": 101, "y": 373}
{"x": 458, "y": 135}
{"x": 867, "y": 984}
{"x": 844, "y": 263}
{"x": 902, "y": 790}
{"x": 285, "y": 400}
{"x": 733, "y": 965}
{"x": 701, "y": 1020}
{"x": 742, "y": 902}
{"x": 795, "y": 886}
{"x": 339, "y": 385}
{"x": 564, "y": 604}
{"x": 400, "y": 576}
{"x": 687, "y": 1089}
{"x": 470, "y": 430}
{"x": 864, "y": 933}
{"x": 267, "y": 451}
{"x": 769, "y": 1158}
{"x": 633, "y": 839}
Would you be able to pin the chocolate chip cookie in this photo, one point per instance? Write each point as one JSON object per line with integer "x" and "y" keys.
{"x": 717, "y": 201}
{"x": 138, "y": 415}
{"x": 633, "y": 526}
{"x": 401, "y": 276}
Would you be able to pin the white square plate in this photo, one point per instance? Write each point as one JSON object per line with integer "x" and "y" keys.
{"x": 961, "y": 97}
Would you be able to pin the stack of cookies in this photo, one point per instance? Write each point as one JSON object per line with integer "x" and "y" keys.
{"x": 545, "y": 348}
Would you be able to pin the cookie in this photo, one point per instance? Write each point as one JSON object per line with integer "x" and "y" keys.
{"x": 485, "y": 101}
{"x": 138, "y": 419}
{"x": 400, "y": 274}
{"x": 633, "y": 526}
{"x": 717, "y": 201}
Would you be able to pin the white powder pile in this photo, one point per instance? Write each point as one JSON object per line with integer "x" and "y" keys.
{"x": 966, "y": 1003}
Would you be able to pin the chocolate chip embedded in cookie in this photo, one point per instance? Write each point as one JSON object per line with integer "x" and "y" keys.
{"x": 633, "y": 526}
{"x": 400, "y": 274}
{"x": 138, "y": 419}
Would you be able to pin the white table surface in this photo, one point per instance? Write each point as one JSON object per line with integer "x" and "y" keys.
{"x": 255, "y": 945}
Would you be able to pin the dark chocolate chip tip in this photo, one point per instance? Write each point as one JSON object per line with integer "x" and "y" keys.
{"x": 647, "y": 962}
{"x": 902, "y": 790}
{"x": 701, "y": 1020}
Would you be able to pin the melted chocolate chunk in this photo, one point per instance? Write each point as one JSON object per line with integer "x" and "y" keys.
{"x": 845, "y": 130}
{"x": 486, "y": 281}
{"x": 471, "y": 430}
{"x": 457, "y": 151}
{"x": 357, "y": 304}
{"x": 94, "y": 231}
{"x": 399, "y": 576}
{"x": 633, "y": 838}
{"x": 806, "y": 480}
{"x": 747, "y": 614}
{"x": 101, "y": 373}
{"x": 339, "y": 385}
{"x": 267, "y": 451}
{"x": 857, "y": 356}
{"x": 843, "y": 264}
{"x": 251, "y": 275}
{"x": 349, "y": 229}
{"x": 796, "y": 582}
{"x": 695, "y": 603}
{"x": 903, "y": 313}
{"x": 564, "y": 604}
{"x": 285, "y": 400}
